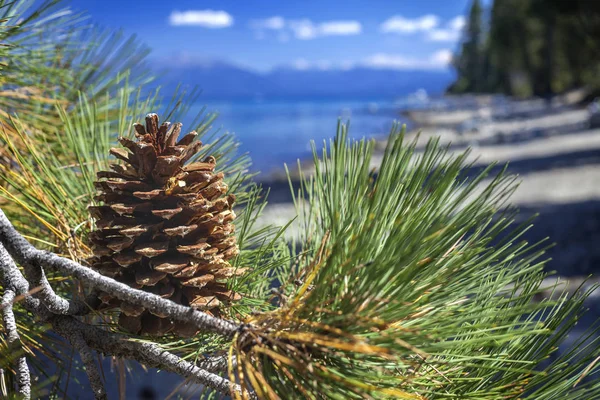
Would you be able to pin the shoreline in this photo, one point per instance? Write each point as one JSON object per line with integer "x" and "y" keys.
{"x": 556, "y": 155}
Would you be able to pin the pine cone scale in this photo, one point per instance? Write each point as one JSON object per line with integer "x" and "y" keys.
{"x": 148, "y": 277}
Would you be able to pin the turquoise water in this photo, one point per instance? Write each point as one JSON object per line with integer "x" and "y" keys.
{"x": 277, "y": 132}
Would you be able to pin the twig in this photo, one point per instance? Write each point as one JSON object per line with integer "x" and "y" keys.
{"x": 26, "y": 254}
{"x": 13, "y": 280}
{"x": 90, "y": 365}
{"x": 55, "y": 304}
{"x": 13, "y": 341}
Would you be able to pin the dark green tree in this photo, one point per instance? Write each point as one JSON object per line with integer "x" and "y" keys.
{"x": 469, "y": 62}
{"x": 530, "y": 47}
{"x": 510, "y": 48}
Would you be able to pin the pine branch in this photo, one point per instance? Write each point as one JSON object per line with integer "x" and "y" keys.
{"x": 26, "y": 254}
{"x": 85, "y": 337}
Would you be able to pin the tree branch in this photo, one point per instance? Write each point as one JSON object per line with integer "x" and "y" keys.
{"x": 24, "y": 253}
{"x": 85, "y": 337}
{"x": 13, "y": 341}
{"x": 13, "y": 280}
{"x": 55, "y": 304}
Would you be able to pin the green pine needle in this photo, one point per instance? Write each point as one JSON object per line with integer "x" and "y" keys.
{"x": 413, "y": 285}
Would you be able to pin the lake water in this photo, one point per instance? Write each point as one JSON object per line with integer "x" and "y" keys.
{"x": 277, "y": 132}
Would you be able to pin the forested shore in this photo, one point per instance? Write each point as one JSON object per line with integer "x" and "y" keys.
{"x": 529, "y": 48}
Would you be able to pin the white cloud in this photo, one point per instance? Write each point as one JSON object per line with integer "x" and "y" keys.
{"x": 451, "y": 33}
{"x": 346, "y": 65}
{"x": 340, "y": 28}
{"x": 324, "y": 65}
{"x": 304, "y": 29}
{"x": 301, "y": 64}
{"x": 457, "y": 23}
{"x": 442, "y": 57}
{"x": 399, "y": 24}
{"x": 437, "y": 60}
{"x": 274, "y": 23}
{"x": 443, "y": 35}
{"x": 395, "y": 61}
{"x": 204, "y": 18}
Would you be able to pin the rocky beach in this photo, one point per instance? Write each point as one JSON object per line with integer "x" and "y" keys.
{"x": 554, "y": 148}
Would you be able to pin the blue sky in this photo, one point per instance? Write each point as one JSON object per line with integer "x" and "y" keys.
{"x": 267, "y": 34}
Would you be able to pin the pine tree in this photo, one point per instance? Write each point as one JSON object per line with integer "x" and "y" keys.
{"x": 531, "y": 47}
{"x": 470, "y": 61}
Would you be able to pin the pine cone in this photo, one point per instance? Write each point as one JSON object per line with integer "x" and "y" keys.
{"x": 165, "y": 227}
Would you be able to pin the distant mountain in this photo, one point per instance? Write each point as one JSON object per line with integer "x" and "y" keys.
{"x": 216, "y": 80}
{"x": 365, "y": 82}
{"x": 223, "y": 80}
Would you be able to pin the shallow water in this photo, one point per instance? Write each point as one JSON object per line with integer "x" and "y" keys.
{"x": 279, "y": 131}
